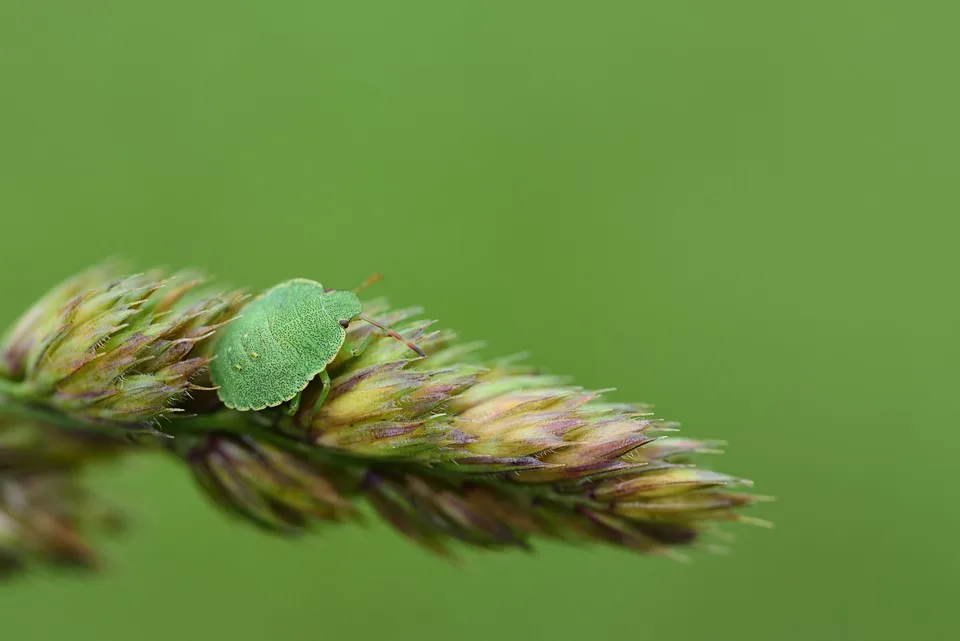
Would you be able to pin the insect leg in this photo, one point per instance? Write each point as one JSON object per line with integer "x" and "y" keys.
{"x": 356, "y": 350}
{"x": 325, "y": 389}
{"x": 294, "y": 404}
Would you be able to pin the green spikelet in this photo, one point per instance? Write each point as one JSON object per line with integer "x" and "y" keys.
{"x": 448, "y": 449}
{"x": 120, "y": 350}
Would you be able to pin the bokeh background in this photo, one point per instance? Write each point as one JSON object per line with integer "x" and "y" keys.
{"x": 742, "y": 212}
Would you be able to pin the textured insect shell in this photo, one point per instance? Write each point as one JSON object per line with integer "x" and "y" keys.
{"x": 284, "y": 338}
{"x": 341, "y": 305}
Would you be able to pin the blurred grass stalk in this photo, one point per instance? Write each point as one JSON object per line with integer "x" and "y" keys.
{"x": 445, "y": 448}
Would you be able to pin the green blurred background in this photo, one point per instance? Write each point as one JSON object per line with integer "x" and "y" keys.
{"x": 742, "y": 212}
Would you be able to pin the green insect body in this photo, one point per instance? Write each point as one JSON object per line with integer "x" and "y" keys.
{"x": 283, "y": 340}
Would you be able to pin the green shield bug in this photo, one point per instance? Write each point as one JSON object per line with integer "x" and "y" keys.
{"x": 282, "y": 340}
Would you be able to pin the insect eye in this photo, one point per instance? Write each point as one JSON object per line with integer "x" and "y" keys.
{"x": 344, "y": 324}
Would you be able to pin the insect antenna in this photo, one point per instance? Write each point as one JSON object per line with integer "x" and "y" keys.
{"x": 392, "y": 334}
{"x": 367, "y": 283}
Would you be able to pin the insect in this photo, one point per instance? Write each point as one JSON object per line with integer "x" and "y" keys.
{"x": 284, "y": 339}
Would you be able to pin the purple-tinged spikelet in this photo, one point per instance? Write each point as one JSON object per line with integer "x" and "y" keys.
{"x": 121, "y": 350}
{"x": 446, "y": 448}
